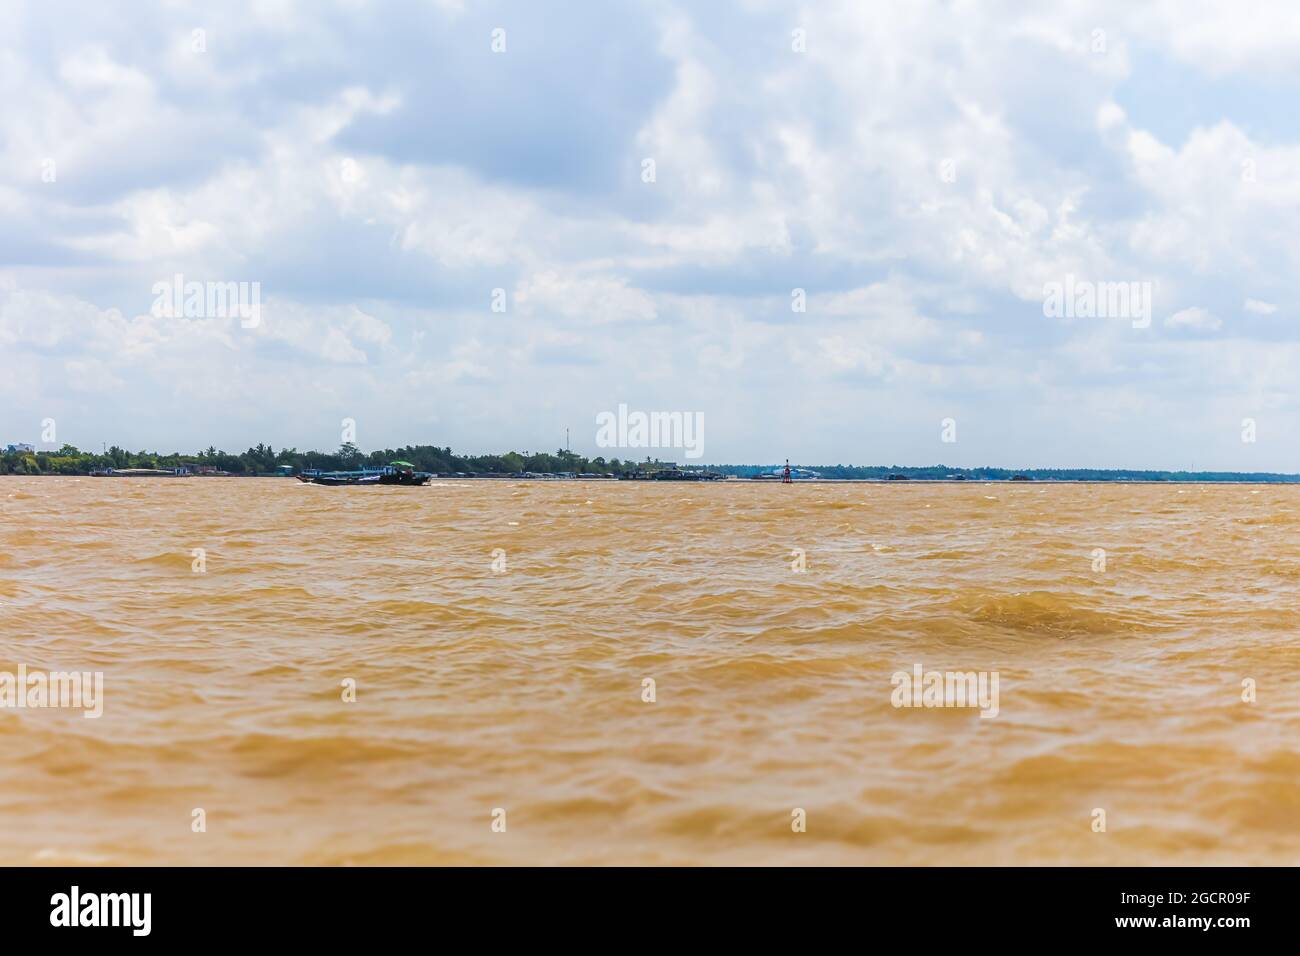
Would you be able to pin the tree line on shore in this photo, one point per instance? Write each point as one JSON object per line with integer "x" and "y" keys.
{"x": 265, "y": 460}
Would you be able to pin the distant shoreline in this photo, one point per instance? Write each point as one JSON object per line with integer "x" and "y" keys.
{"x": 739, "y": 480}
{"x": 264, "y": 461}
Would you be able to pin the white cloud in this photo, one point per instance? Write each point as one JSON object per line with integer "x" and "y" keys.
{"x": 1193, "y": 318}
{"x": 1222, "y": 38}
{"x": 591, "y": 299}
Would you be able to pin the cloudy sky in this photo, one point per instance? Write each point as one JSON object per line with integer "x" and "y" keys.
{"x": 921, "y": 171}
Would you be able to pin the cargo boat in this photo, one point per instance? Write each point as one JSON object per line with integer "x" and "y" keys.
{"x": 400, "y": 473}
{"x": 140, "y": 473}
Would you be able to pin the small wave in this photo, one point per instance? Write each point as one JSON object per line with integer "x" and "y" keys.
{"x": 1059, "y": 614}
